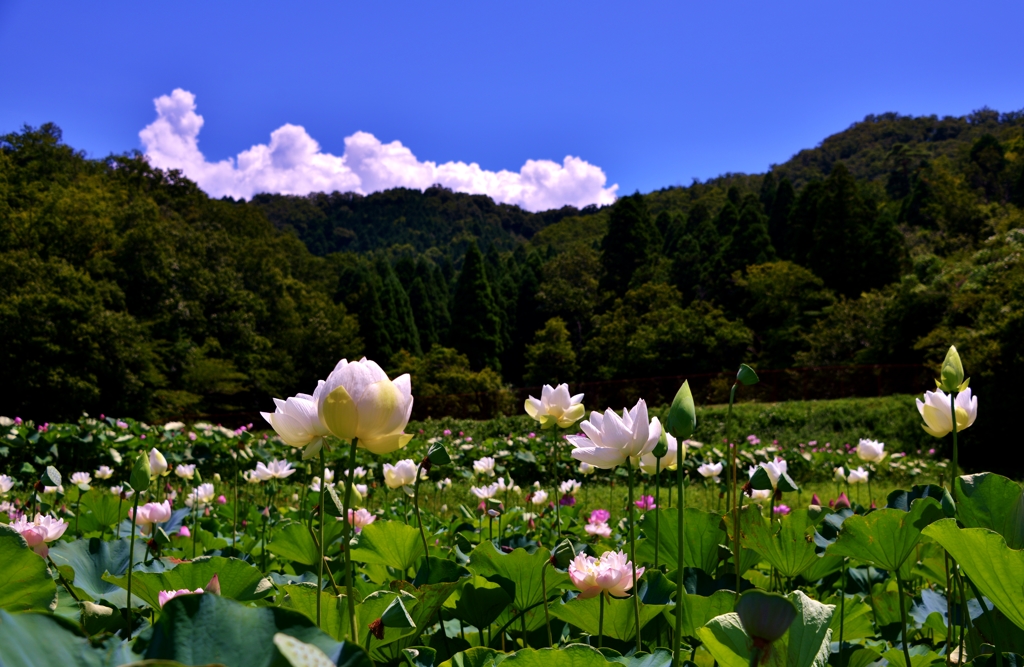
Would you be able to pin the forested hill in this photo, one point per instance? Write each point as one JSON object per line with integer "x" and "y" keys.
{"x": 124, "y": 289}
{"x": 437, "y": 218}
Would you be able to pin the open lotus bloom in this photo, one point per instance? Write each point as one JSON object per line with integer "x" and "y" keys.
{"x": 81, "y": 480}
{"x": 401, "y": 474}
{"x": 858, "y": 476}
{"x": 600, "y": 529}
{"x": 273, "y": 470}
{"x": 151, "y": 513}
{"x": 649, "y": 462}
{"x": 611, "y": 440}
{"x": 203, "y": 494}
{"x": 936, "y": 413}
{"x": 712, "y": 470}
{"x": 40, "y": 532}
{"x": 297, "y": 421}
{"x": 185, "y": 470}
{"x": 484, "y": 466}
{"x": 165, "y": 596}
{"x": 484, "y": 492}
{"x": 871, "y": 450}
{"x": 539, "y": 497}
{"x": 360, "y": 518}
{"x": 6, "y": 484}
{"x": 104, "y": 472}
{"x": 555, "y": 407}
{"x": 611, "y": 573}
{"x": 359, "y": 401}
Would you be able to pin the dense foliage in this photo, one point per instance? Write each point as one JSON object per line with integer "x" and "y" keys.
{"x": 126, "y": 289}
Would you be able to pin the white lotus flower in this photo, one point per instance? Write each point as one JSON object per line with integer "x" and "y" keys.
{"x": 871, "y": 450}
{"x": 858, "y": 476}
{"x": 611, "y": 440}
{"x": 760, "y": 495}
{"x": 174, "y": 426}
{"x": 586, "y": 468}
{"x": 539, "y": 497}
{"x": 649, "y": 462}
{"x": 203, "y": 493}
{"x": 936, "y": 413}
{"x": 569, "y": 487}
{"x": 297, "y": 421}
{"x": 400, "y": 475}
{"x": 104, "y": 472}
{"x": 555, "y": 406}
{"x": 81, "y": 480}
{"x": 359, "y": 401}
{"x": 484, "y": 492}
{"x": 839, "y": 474}
{"x": 6, "y": 484}
{"x": 273, "y": 470}
{"x": 712, "y": 470}
{"x": 185, "y": 470}
{"x": 484, "y": 466}
{"x": 157, "y": 463}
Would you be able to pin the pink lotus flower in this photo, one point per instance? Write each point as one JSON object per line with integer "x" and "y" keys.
{"x": 645, "y": 503}
{"x": 599, "y": 528}
{"x": 40, "y": 532}
{"x": 599, "y": 516}
{"x": 184, "y": 532}
{"x": 221, "y": 500}
{"x": 164, "y": 596}
{"x": 612, "y": 573}
{"x": 151, "y": 513}
{"x": 360, "y": 518}
{"x": 782, "y": 509}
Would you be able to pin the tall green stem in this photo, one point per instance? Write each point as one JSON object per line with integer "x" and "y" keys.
{"x": 234, "y": 510}
{"x": 632, "y": 552}
{"x": 681, "y": 567}
{"x": 547, "y": 615}
{"x": 903, "y": 617}
{"x": 657, "y": 510}
{"x": 195, "y": 505}
{"x": 734, "y": 495}
{"x": 842, "y": 613}
{"x": 348, "y": 538}
{"x": 952, "y": 414}
{"x": 600, "y": 625}
{"x": 131, "y": 563}
{"x": 419, "y": 519}
{"x": 323, "y": 518}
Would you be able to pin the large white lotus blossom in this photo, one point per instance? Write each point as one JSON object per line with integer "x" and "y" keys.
{"x": 611, "y": 440}
{"x": 712, "y": 470}
{"x": 569, "y": 487}
{"x": 539, "y": 497}
{"x": 775, "y": 470}
{"x": 185, "y": 470}
{"x": 81, "y": 480}
{"x": 203, "y": 493}
{"x": 150, "y": 514}
{"x": 273, "y": 470}
{"x": 359, "y": 401}
{"x": 104, "y": 472}
{"x": 6, "y": 484}
{"x": 936, "y": 413}
{"x": 858, "y": 476}
{"x": 484, "y": 492}
{"x": 157, "y": 463}
{"x": 649, "y": 462}
{"x": 871, "y": 450}
{"x": 484, "y": 466}
{"x": 40, "y": 532}
{"x": 400, "y": 475}
{"x": 297, "y": 421}
{"x": 555, "y": 407}
{"x": 612, "y": 573}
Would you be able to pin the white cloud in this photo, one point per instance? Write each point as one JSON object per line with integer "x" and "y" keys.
{"x": 292, "y": 163}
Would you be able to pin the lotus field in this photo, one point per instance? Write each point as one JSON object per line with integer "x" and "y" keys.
{"x": 342, "y": 536}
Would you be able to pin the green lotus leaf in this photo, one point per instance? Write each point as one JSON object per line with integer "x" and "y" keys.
{"x": 84, "y": 562}
{"x": 992, "y": 501}
{"x": 703, "y": 535}
{"x": 238, "y": 580}
{"x": 885, "y": 538}
{"x": 390, "y": 543}
{"x": 787, "y": 544}
{"x": 25, "y": 581}
{"x": 43, "y": 640}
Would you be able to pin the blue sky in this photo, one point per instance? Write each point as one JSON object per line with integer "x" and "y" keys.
{"x": 652, "y": 94}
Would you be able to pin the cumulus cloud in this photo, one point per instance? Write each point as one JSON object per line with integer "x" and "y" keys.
{"x": 292, "y": 163}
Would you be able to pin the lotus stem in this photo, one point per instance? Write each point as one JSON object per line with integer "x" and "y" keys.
{"x": 842, "y": 613}
{"x": 547, "y": 615}
{"x": 903, "y": 617}
{"x": 657, "y": 513}
{"x": 120, "y": 499}
{"x": 323, "y": 517}
{"x": 952, "y": 414}
{"x": 348, "y": 539}
{"x": 681, "y": 565}
{"x": 234, "y": 509}
{"x": 419, "y": 519}
{"x": 600, "y": 624}
{"x": 734, "y": 495}
{"x": 632, "y": 552}
{"x": 195, "y": 504}
{"x": 131, "y": 563}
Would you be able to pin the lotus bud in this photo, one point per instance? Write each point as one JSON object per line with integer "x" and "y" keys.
{"x": 952, "y": 374}
{"x": 141, "y": 473}
{"x": 682, "y": 415}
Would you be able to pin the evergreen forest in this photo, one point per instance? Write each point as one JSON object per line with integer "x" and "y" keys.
{"x": 127, "y": 290}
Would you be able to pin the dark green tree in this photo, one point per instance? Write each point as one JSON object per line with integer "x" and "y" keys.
{"x": 476, "y": 321}
{"x": 551, "y": 358}
{"x": 631, "y": 241}
{"x": 778, "y": 217}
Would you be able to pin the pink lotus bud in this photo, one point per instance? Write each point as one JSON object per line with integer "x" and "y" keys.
{"x": 221, "y": 500}
{"x": 184, "y": 532}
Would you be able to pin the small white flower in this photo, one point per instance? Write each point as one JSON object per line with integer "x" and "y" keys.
{"x": 104, "y": 472}
{"x": 185, "y": 470}
{"x": 81, "y": 480}
{"x": 871, "y": 450}
{"x": 712, "y": 470}
{"x": 484, "y": 466}
{"x": 569, "y": 487}
{"x": 858, "y": 476}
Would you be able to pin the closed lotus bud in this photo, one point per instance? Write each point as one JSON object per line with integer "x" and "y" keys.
{"x": 952, "y": 374}
{"x": 141, "y": 473}
{"x": 842, "y": 502}
{"x": 682, "y": 415}
{"x": 765, "y": 616}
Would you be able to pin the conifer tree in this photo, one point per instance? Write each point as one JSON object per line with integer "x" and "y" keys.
{"x": 629, "y": 243}
{"x": 750, "y": 242}
{"x": 476, "y": 323}
{"x": 778, "y": 217}
{"x": 398, "y": 319}
{"x": 551, "y": 359}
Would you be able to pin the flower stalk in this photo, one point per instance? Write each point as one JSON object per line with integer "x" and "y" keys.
{"x": 632, "y": 553}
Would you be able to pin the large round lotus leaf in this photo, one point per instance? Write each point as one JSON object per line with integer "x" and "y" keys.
{"x": 25, "y": 581}
{"x": 209, "y": 629}
{"x": 703, "y": 535}
{"x": 238, "y": 580}
{"x": 390, "y": 543}
{"x": 84, "y": 562}
{"x": 885, "y": 538}
{"x": 43, "y": 640}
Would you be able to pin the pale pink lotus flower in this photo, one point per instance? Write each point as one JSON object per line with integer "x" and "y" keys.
{"x": 611, "y": 439}
{"x": 185, "y": 470}
{"x": 612, "y": 573}
{"x": 273, "y": 470}
{"x": 599, "y": 528}
{"x": 151, "y": 513}
{"x": 297, "y": 421}
{"x": 40, "y": 532}
{"x": 82, "y": 480}
{"x": 360, "y": 518}
{"x": 164, "y": 596}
